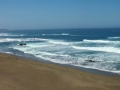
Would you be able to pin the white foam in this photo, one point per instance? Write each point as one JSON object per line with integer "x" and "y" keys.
{"x": 19, "y": 39}
{"x": 58, "y": 42}
{"x": 41, "y": 39}
{"x": 99, "y": 66}
{"x": 99, "y": 41}
{"x": 103, "y": 49}
{"x": 8, "y": 52}
{"x": 55, "y": 34}
{"x": 38, "y": 45}
{"x": 113, "y": 37}
{"x": 65, "y": 34}
{"x": 47, "y": 53}
{"x": 101, "y": 69}
{"x": 8, "y": 39}
{"x": 4, "y": 34}
{"x": 9, "y": 34}
{"x": 101, "y": 62}
{"x": 58, "y": 51}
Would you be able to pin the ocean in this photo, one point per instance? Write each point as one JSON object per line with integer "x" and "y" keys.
{"x": 97, "y": 49}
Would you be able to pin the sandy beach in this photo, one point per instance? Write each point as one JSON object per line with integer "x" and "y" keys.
{"x": 22, "y": 74}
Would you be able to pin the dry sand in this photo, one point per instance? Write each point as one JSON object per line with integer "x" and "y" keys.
{"x": 22, "y": 74}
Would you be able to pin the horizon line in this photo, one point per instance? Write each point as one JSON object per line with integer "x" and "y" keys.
{"x": 65, "y": 28}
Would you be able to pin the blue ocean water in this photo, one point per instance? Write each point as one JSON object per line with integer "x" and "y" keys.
{"x": 67, "y": 46}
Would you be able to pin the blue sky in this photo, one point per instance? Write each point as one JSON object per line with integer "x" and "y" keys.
{"x": 48, "y": 14}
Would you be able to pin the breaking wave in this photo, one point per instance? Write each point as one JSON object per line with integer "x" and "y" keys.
{"x": 72, "y": 47}
{"x": 100, "y": 41}
{"x": 113, "y": 37}
{"x": 8, "y": 34}
{"x": 102, "y": 49}
{"x": 19, "y": 39}
{"x": 55, "y": 34}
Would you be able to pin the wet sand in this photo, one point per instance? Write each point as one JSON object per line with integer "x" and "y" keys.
{"x": 17, "y": 73}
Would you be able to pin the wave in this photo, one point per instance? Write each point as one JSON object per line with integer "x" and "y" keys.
{"x": 8, "y": 34}
{"x": 68, "y": 59}
{"x": 64, "y": 60}
{"x": 101, "y": 69}
{"x": 4, "y": 34}
{"x": 58, "y": 42}
{"x": 47, "y": 53}
{"x": 55, "y": 34}
{"x": 19, "y": 39}
{"x": 52, "y": 54}
{"x": 113, "y": 37}
{"x": 100, "y": 41}
{"x": 103, "y": 49}
{"x": 38, "y": 45}
{"x": 65, "y": 34}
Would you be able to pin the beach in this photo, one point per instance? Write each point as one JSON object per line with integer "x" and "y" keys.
{"x": 18, "y": 73}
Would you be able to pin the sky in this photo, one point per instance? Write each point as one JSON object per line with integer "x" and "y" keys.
{"x": 52, "y": 14}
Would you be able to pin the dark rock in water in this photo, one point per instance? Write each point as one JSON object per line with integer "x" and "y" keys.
{"x": 22, "y": 44}
{"x": 90, "y": 61}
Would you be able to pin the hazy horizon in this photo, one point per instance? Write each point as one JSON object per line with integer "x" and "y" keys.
{"x": 59, "y": 14}
{"x": 64, "y": 28}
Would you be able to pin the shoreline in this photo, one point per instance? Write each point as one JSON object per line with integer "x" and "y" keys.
{"x": 89, "y": 70}
{"x": 18, "y": 73}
